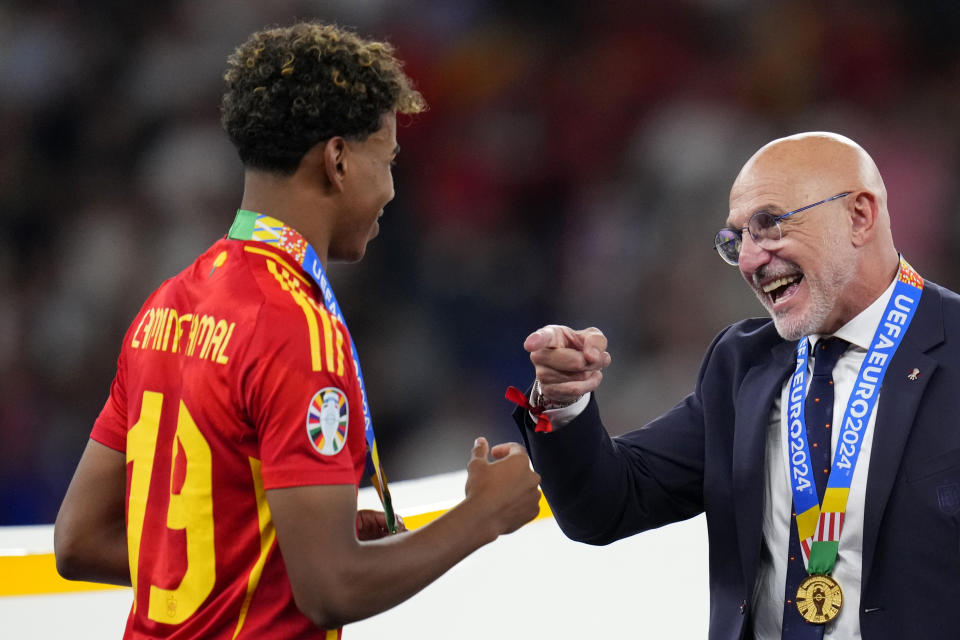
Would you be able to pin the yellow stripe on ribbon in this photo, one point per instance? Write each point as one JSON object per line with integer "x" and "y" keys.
{"x": 807, "y": 522}
{"x": 835, "y": 499}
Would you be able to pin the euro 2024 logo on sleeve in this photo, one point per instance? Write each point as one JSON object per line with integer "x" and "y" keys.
{"x": 327, "y": 421}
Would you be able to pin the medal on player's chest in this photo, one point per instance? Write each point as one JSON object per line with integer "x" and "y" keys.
{"x": 819, "y": 599}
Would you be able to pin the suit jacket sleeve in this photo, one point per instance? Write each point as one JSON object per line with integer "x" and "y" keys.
{"x": 602, "y": 489}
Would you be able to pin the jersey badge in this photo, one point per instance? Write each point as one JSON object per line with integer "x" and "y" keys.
{"x": 218, "y": 262}
{"x": 327, "y": 421}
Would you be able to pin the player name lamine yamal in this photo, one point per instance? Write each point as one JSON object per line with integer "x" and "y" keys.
{"x": 195, "y": 335}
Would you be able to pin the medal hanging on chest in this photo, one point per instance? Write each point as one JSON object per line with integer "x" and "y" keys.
{"x": 819, "y": 598}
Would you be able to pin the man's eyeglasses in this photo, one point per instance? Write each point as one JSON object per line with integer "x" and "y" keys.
{"x": 764, "y": 229}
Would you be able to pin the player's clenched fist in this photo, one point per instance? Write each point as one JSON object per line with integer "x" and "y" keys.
{"x": 506, "y": 489}
{"x": 568, "y": 363}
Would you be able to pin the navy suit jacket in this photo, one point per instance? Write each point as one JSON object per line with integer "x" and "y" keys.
{"x": 707, "y": 455}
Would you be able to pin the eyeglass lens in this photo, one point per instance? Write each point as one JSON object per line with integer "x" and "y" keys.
{"x": 728, "y": 245}
{"x": 763, "y": 229}
{"x": 763, "y": 226}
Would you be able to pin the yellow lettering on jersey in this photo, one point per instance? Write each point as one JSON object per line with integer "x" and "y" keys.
{"x": 135, "y": 342}
{"x": 192, "y": 340}
{"x": 204, "y": 333}
{"x": 190, "y": 511}
{"x": 219, "y": 333}
{"x": 186, "y": 317}
{"x": 146, "y": 330}
{"x": 141, "y": 439}
{"x": 208, "y": 327}
{"x": 159, "y": 322}
{"x": 222, "y": 359}
{"x": 162, "y": 329}
{"x": 171, "y": 323}
{"x": 156, "y": 323}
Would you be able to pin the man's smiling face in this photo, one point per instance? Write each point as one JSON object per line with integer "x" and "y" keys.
{"x": 801, "y": 279}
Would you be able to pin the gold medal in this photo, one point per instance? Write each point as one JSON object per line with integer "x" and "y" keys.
{"x": 819, "y": 599}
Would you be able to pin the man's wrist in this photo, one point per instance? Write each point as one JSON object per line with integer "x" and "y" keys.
{"x": 540, "y": 402}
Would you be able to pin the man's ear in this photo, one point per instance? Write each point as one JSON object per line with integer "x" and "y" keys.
{"x": 334, "y": 161}
{"x": 864, "y": 215}
{"x": 322, "y": 164}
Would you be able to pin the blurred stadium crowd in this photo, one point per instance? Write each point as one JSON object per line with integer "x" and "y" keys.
{"x": 573, "y": 168}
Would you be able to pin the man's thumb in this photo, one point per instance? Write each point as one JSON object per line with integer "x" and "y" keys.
{"x": 536, "y": 340}
{"x": 480, "y": 449}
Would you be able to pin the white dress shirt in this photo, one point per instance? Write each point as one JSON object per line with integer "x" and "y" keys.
{"x": 769, "y": 594}
{"x": 768, "y": 601}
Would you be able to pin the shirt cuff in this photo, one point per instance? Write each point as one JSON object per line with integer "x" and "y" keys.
{"x": 563, "y": 416}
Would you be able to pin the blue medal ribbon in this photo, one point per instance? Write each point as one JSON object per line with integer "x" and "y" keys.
{"x": 250, "y": 225}
{"x": 889, "y": 334}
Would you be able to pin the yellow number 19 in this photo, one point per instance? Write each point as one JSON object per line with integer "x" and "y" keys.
{"x": 191, "y": 509}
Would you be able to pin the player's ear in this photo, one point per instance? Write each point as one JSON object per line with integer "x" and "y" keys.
{"x": 334, "y": 161}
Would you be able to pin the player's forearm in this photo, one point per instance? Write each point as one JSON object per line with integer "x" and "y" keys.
{"x": 383, "y": 573}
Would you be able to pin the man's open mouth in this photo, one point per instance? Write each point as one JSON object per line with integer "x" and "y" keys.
{"x": 784, "y": 286}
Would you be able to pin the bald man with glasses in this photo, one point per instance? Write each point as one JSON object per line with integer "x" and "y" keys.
{"x": 822, "y": 443}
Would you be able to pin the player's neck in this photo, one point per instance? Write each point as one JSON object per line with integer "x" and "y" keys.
{"x": 283, "y": 198}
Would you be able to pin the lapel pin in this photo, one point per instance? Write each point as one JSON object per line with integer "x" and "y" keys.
{"x": 914, "y": 374}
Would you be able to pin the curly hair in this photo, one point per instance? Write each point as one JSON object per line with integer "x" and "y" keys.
{"x": 292, "y": 87}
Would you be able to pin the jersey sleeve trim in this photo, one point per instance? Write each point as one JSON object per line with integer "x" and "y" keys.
{"x": 282, "y": 479}
{"x": 109, "y": 440}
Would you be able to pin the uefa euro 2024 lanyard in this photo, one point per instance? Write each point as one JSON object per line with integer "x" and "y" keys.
{"x": 249, "y": 225}
{"x": 819, "y": 527}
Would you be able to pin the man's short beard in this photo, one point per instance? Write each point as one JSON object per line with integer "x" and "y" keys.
{"x": 811, "y": 322}
{"x": 823, "y": 295}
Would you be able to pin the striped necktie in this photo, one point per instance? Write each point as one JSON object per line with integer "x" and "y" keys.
{"x": 818, "y": 414}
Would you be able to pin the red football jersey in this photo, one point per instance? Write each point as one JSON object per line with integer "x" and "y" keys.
{"x": 233, "y": 379}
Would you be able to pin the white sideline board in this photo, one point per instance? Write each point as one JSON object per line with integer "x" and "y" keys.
{"x": 531, "y": 584}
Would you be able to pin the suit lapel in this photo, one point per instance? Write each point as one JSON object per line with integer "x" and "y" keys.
{"x": 896, "y": 410}
{"x": 755, "y": 398}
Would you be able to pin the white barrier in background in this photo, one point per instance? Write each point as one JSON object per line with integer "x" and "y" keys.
{"x": 532, "y": 584}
